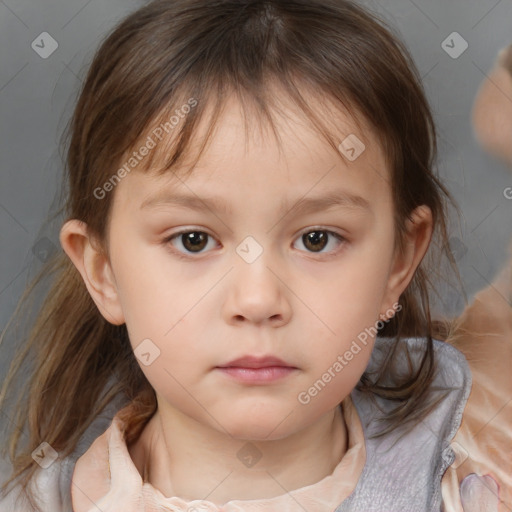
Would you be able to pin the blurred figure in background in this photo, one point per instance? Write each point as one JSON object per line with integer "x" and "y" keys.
{"x": 492, "y": 110}
{"x": 484, "y": 441}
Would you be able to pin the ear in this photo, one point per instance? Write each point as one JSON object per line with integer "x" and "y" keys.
{"x": 417, "y": 240}
{"x": 94, "y": 266}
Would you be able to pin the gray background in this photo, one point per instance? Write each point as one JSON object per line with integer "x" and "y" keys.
{"x": 37, "y": 96}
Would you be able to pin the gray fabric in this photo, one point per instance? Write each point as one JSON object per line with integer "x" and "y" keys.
{"x": 403, "y": 477}
{"x": 404, "y": 474}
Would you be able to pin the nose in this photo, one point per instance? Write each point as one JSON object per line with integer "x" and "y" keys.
{"x": 258, "y": 292}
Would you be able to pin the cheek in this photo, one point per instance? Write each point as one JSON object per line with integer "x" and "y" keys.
{"x": 344, "y": 315}
{"x": 339, "y": 341}
{"x": 334, "y": 380}
{"x": 348, "y": 296}
{"x": 154, "y": 294}
{"x": 177, "y": 361}
{"x": 174, "y": 381}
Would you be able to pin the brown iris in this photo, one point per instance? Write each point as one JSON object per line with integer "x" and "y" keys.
{"x": 313, "y": 238}
{"x": 194, "y": 241}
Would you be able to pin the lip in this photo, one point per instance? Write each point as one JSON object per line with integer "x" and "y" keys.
{"x": 257, "y": 370}
{"x": 256, "y": 362}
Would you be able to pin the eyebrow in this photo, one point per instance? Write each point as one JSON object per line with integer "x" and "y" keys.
{"x": 340, "y": 199}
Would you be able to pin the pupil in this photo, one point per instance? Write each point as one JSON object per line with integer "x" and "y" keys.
{"x": 194, "y": 240}
{"x": 314, "y": 238}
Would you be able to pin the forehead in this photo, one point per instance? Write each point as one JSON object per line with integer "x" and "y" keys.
{"x": 245, "y": 153}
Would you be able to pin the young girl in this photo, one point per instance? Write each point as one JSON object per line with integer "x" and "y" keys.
{"x": 240, "y": 318}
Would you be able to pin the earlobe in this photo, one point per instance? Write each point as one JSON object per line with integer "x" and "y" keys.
{"x": 94, "y": 268}
{"x": 419, "y": 233}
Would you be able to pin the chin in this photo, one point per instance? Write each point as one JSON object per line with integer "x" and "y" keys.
{"x": 262, "y": 427}
{"x": 256, "y": 433}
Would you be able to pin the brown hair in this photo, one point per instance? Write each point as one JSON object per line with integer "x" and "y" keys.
{"x": 151, "y": 63}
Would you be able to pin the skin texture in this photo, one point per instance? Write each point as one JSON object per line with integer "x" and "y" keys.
{"x": 302, "y": 306}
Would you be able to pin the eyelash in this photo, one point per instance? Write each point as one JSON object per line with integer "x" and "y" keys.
{"x": 166, "y": 241}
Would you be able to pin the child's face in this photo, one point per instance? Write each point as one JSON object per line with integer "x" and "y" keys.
{"x": 254, "y": 286}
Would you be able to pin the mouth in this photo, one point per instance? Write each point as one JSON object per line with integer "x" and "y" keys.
{"x": 255, "y": 362}
{"x": 257, "y": 370}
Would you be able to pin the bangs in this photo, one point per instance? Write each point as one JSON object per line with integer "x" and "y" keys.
{"x": 172, "y": 66}
{"x": 178, "y": 136}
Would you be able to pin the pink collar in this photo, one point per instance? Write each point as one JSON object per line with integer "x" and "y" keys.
{"x": 106, "y": 477}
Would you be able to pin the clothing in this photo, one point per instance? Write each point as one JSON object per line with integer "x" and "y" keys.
{"x": 412, "y": 482}
{"x": 468, "y": 460}
{"x": 53, "y": 484}
{"x": 365, "y": 481}
{"x": 484, "y": 439}
{"x": 319, "y": 497}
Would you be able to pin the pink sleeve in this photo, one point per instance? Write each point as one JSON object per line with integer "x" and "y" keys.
{"x": 104, "y": 476}
{"x": 484, "y": 440}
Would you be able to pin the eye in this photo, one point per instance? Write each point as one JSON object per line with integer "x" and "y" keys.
{"x": 193, "y": 241}
{"x": 315, "y": 240}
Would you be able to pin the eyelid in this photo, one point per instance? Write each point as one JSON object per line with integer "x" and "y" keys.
{"x": 321, "y": 228}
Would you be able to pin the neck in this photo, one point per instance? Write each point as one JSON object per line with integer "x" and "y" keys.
{"x": 185, "y": 459}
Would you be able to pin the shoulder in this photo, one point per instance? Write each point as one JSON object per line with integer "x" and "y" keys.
{"x": 451, "y": 383}
{"x": 404, "y": 466}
